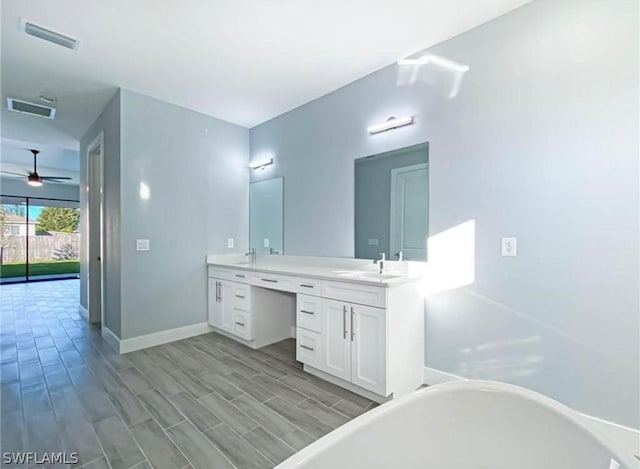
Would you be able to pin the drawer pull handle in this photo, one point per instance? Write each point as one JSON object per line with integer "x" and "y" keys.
{"x": 306, "y": 285}
{"x": 239, "y": 276}
{"x": 306, "y": 312}
{"x": 306, "y": 347}
{"x": 353, "y": 332}
{"x": 240, "y": 296}
{"x": 269, "y": 280}
{"x": 240, "y": 323}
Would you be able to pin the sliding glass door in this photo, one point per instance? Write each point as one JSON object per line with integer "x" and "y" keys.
{"x": 40, "y": 239}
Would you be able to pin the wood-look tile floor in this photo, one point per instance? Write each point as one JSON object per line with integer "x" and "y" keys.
{"x": 202, "y": 402}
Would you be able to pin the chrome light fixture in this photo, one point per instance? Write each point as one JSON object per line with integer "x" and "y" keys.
{"x": 261, "y": 164}
{"x": 391, "y": 123}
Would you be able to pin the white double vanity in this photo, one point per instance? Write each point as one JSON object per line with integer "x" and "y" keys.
{"x": 354, "y": 326}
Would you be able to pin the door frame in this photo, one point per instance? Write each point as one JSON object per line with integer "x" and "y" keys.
{"x": 94, "y": 285}
{"x": 392, "y": 211}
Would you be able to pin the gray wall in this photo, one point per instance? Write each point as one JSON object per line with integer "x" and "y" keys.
{"x": 541, "y": 143}
{"x": 196, "y": 168}
{"x": 19, "y": 188}
{"x": 372, "y": 195}
{"x": 109, "y": 123}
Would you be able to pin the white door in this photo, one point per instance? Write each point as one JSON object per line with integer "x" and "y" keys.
{"x": 336, "y": 346}
{"x": 369, "y": 348}
{"x": 95, "y": 232}
{"x": 409, "y": 205}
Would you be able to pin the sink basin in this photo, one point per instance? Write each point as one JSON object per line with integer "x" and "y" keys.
{"x": 373, "y": 275}
{"x": 367, "y": 275}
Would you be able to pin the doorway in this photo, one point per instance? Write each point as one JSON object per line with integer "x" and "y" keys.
{"x": 95, "y": 229}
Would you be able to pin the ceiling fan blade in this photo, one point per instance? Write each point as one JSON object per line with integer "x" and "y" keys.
{"x": 11, "y": 172}
{"x": 51, "y": 178}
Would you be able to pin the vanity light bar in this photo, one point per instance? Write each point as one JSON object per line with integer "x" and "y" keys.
{"x": 261, "y": 163}
{"x": 391, "y": 123}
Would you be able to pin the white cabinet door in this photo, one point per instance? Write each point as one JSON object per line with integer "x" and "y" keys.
{"x": 336, "y": 345}
{"x": 225, "y": 303}
{"x": 368, "y": 348}
{"x": 215, "y": 307}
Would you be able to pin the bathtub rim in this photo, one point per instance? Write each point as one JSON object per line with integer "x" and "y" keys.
{"x": 353, "y": 425}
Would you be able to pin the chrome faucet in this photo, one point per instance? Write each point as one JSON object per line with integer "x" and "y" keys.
{"x": 272, "y": 252}
{"x": 400, "y": 256}
{"x": 380, "y": 262}
{"x": 252, "y": 255}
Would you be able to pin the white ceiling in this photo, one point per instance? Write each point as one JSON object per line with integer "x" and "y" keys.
{"x": 244, "y": 61}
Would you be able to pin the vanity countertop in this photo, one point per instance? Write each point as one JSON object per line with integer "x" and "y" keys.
{"x": 360, "y": 271}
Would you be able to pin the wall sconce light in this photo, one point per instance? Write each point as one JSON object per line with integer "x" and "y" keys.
{"x": 391, "y": 123}
{"x": 261, "y": 164}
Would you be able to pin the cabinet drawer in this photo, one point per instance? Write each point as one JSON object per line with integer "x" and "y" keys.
{"x": 307, "y": 286}
{"x": 242, "y": 325}
{"x": 242, "y": 297}
{"x": 308, "y": 312}
{"x": 275, "y": 282}
{"x": 229, "y": 274}
{"x": 309, "y": 347}
{"x": 355, "y": 293}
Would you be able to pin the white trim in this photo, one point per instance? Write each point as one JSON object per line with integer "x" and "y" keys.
{"x": 110, "y": 338}
{"x": 96, "y": 143}
{"x": 84, "y": 312}
{"x": 163, "y": 337}
{"x": 433, "y": 376}
{"x": 621, "y": 437}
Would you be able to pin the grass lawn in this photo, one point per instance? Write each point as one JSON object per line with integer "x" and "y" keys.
{"x": 39, "y": 268}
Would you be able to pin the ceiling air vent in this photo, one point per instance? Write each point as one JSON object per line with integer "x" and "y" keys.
{"x": 31, "y": 108}
{"x": 48, "y": 35}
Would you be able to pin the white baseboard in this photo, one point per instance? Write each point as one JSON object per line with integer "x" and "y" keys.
{"x": 111, "y": 339}
{"x": 84, "y": 312}
{"x": 163, "y": 337}
{"x": 623, "y": 438}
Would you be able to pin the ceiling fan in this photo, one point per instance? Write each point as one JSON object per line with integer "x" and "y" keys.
{"x": 33, "y": 178}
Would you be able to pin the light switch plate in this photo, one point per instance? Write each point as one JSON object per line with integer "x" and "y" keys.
{"x": 142, "y": 244}
{"x": 230, "y": 243}
{"x": 266, "y": 242}
{"x": 509, "y": 247}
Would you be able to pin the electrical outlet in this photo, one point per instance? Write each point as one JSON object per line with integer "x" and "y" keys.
{"x": 266, "y": 242}
{"x": 230, "y": 243}
{"x": 142, "y": 244}
{"x": 509, "y": 247}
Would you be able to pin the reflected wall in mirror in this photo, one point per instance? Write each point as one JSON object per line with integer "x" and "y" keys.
{"x": 266, "y": 216}
{"x": 391, "y": 204}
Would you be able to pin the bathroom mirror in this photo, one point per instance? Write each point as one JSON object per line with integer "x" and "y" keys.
{"x": 266, "y": 216}
{"x": 391, "y": 204}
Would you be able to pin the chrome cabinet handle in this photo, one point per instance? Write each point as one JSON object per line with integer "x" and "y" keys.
{"x": 344, "y": 322}
{"x": 217, "y": 292}
{"x": 239, "y": 276}
{"x": 240, "y": 323}
{"x": 220, "y": 290}
{"x": 352, "y": 331}
{"x": 239, "y": 296}
{"x": 306, "y": 347}
{"x": 269, "y": 280}
{"x": 306, "y": 285}
{"x": 306, "y": 312}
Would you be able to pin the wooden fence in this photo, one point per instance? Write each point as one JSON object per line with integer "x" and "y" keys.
{"x": 41, "y": 247}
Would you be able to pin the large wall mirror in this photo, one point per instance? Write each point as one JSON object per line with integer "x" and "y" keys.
{"x": 266, "y": 216}
{"x": 391, "y": 204}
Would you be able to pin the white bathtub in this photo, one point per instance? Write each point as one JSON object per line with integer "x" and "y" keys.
{"x": 464, "y": 425}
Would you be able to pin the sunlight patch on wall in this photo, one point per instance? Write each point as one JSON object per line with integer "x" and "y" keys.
{"x": 451, "y": 259}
